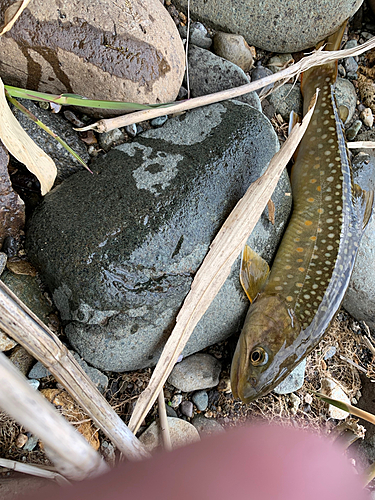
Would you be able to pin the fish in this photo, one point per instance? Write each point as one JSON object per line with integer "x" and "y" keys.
{"x": 293, "y": 304}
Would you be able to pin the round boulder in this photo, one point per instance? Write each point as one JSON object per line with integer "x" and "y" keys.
{"x": 275, "y": 25}
{"x": 100, "y": 49}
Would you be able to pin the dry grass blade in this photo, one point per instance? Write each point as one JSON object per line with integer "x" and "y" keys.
{"x": 369, "y": 417}
{"x": 163, "y": 422}
{"x": 34, "y": 470}
{"x": 216, "y": 266}
{"x": 22, "y": 147}
{"x": 21, "y": 324}
{"x": 317, "y": 58}
{"x": 361, "y": 144}
{"x": 12, "y": 13}
{"x": 69, "y": 451}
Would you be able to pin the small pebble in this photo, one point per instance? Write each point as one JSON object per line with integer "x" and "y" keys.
{"x": 159, "y": 121}
{"x": 352, "y": 131}
{"x": 332, "y": 389}
{"x": 206, "y": 426}
{"x": 308, "y": 399}
{"x": 21, "y": 440}
{"x": 279, "y": 62}
{"x": 187, "y": 408}
{"x": 181, "y": 432}
{"x": 108, "y": 139}
{"x": 258, "y": 73}
{"x": 21, "y": 359}
{"x": 341, "y": 71}
{"x": 131, "y": 130}
{"x": 199, "y": 371}
{"x": 330, "y": 352}
{"x": 34, "y": 383}
{"x": 170, "y": 411}
{"x": 6, "y": 343}
{"x": 198, "y": 35}
{"x": 367, "y": 117}
{"x": 354, "y": 401}
{"x": 200, "y": 399}
{"x": 234, "y": 48}
{"x": 31, "y": 443}
{"x": 176, "y": 401}
{"x": 350, "y": 44}
{"x": 295, "y": 402}
{"x": 108, "y": 452}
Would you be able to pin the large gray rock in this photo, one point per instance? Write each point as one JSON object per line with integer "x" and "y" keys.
{"x": 101, "y": 49}
{"x": 359, "y": 299}
{"x": 118, "y": 249}
{"x": 275, "y": 25}
{"x": 209, "y": 73}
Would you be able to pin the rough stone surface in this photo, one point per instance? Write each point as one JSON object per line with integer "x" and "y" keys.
{"x": 181, "y": 432}
{"x": 293, "y": 381}
{"x": 206, "y": 426}
{"x": 126, "y": 51}
{"x": 275, "y": 25}
{"x": 359, "y": 299}
{"x": 199, "y": 371}
{"x": 98, "y": 378}
{"x": 21, "y": 359}
{"x": 118, "y": 248}
{"x": 66, "y": 164}
{"x": 209, "y": 73}
{"x": 187, "y": 408}
{"x": 279, "y": 62}
{"x": 258, "y": 73}
{"x": 6, "y": 343}
{"x": 233, "y": 48}
{"x": 346, "y": 95}
{"x": 286, "y": 99}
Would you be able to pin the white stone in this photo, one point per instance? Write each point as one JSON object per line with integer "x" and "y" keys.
{"x": 181, "y": 432}
{"x": 332, "y": 389}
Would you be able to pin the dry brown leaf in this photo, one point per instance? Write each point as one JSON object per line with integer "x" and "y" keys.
{"x": 22, "y": 147}
{"x": 216, "y": 267}
{"x": 12, "y": 13}
{"x": 12, "y": 208}
{"x": 271, "y": 211}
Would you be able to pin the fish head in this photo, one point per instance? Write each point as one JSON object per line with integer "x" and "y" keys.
{"x": 262, "y": 357}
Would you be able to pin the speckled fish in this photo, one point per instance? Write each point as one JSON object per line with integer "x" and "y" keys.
{"x": 295, "y": 303}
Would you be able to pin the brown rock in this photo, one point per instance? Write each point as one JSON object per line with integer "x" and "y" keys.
{"x": 6, "y": 343}
{"x": 127, "y": 51}
{"x": 73, "y": 413}
{"x": 234, "y": 48}
{"x": 21, "y": 440}
{"x": 22, "y": 359}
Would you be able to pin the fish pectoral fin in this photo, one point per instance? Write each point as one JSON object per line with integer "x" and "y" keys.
{"x": 254, "y": 272}
{"x": 343, "y": 113}
{"x": 367, "y": 202}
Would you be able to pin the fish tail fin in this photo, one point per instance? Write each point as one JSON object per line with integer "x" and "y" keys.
{"x": 366, "y": 199}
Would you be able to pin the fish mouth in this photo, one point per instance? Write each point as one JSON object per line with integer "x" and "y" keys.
{"x": 242, "y": 386}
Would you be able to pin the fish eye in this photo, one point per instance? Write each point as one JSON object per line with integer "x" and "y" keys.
{"x": 258, "y": 356}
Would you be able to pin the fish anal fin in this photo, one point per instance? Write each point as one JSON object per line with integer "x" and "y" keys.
{"x": 254, "y": 272}
{"x": 367, "y": 199}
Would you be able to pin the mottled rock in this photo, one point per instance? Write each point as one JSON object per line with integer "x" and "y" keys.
{"x": 198, "y": 35}
{"x": 359, "y": 299}
{"x": 200, "y": 399}
{"x": 176, "y": 400}
{"x": 346, "y": 96}
{"x": 367, "y": 117}
{"x": 120, "y": 269}
{"x": 233, "y": 48}
{"x": 275, "y": 25}
{"x": 199, "y": 371}
{"x": 125, "y": 51}
{"x": 351, "y": 66}
{"x": 286, "y": 99}
{"x": 181, "y": 432}
{"x": 206, "y": 426}
{"x": 209, "y": 73}
{"x": 293, "y": 381}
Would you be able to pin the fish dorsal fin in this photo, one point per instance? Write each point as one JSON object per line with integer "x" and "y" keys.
{"x": 254, "y": 272}
{"x": 367, "y": 199}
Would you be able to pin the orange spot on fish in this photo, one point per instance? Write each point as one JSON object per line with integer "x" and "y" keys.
{"x": 301, "y": 269}
{"x": 313, "y": 238}
{"x": 310, "y": 200}
{"x": 299, "y": 260}
{"x": 319, "y": 188}
{"x": 299, "y": 249}
{"x": 308, "y": 222}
